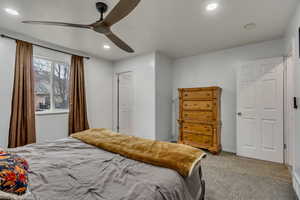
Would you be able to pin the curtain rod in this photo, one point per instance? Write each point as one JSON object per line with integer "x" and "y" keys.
{"x": 45, "y": 47}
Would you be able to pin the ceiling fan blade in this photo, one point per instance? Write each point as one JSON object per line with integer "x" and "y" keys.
{"x": 120, "y": 43}
{"x": 121, "y": 10}
{"x": 57, "y": 24}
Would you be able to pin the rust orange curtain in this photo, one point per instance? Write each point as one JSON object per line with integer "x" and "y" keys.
{"x": 22, "y": 120}
{"x": 78, "y": 120}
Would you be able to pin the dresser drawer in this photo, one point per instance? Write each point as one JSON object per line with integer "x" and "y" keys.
{"x": 197, "y": 105}
{"x": 198, "y": 94}
{"x": 197, "y": 139}
{"x": 202, "y": 129}
{"x": 198, "y": 115}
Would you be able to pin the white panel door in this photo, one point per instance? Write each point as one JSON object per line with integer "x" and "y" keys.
{"x": 126, "y": 103}
{"x": 260, "y": 110}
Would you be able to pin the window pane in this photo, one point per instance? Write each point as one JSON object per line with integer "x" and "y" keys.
{"x": 61, "y": 86}
{"x": 42, "y": 70}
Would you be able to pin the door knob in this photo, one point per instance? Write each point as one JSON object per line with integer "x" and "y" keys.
{"x": 239, "y": 114}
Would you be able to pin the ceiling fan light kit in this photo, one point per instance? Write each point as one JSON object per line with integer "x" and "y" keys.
{"x": 103, "y": 25}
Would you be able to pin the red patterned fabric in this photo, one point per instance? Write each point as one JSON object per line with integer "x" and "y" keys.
{"x": 13, "y": 173}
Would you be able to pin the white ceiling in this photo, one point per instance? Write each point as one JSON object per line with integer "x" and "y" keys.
{"x": 177, "y": 28}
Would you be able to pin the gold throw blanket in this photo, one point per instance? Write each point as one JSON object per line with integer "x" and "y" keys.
{"x": 179, "y": 157}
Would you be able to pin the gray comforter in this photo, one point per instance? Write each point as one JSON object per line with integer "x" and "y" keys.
{"x": 71, "y": 170}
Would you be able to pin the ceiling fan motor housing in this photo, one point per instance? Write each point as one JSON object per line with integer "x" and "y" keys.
{"x": 102, "y": 28}
{"x": 101, "y": 7}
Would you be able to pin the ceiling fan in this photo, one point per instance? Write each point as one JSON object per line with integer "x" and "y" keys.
{"x": 103, "y": 26}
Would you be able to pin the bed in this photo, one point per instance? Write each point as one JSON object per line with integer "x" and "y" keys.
{"x": 69, "y": 169}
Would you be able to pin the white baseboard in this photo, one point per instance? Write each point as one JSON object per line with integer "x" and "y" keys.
{"x": 230, "y": 150}
{"x": 296, "y": 184}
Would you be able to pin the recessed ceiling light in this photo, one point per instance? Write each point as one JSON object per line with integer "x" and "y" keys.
{"x": 250, "y": 26}
{"x": 12, "y": 11}
{"x": 212, "y": 6}
{"x": 106, "y": 46}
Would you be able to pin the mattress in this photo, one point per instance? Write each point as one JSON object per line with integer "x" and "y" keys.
{"x": 69, "y": 169}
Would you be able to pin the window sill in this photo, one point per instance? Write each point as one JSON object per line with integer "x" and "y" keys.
{"x": 57, "y": 112}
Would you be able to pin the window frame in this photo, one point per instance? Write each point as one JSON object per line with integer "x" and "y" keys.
{"x": 52, "y": 110}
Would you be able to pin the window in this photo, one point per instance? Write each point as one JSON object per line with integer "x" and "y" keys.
{"x": 51, "y": 85}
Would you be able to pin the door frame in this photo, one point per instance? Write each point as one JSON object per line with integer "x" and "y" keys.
{"x": 238, "y": 104}
{"x": 289, "y": 130}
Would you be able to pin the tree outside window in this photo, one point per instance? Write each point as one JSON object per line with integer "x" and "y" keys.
{"x": 51, "y": 85}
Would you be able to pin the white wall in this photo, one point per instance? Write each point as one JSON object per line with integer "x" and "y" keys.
{"x": 98, "y": 76}
{"x": 293, "y": 37}
{"x": 143, "y": 68}
{"x": 163, "y": 85}
{"x": 7, "y": 60}
{"x": 219, "y": 69}
{"x": 51, "y": 127}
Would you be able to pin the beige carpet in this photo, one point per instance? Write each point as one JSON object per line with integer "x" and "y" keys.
{"x": 229, "y": 177}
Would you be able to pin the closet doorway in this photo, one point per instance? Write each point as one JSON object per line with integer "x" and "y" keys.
{"x": 125, "y": 102}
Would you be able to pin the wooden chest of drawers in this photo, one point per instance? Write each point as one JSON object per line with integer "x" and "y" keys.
{"x": 199, "y": 118}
